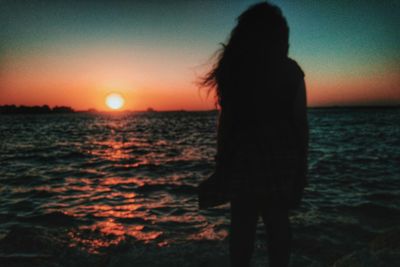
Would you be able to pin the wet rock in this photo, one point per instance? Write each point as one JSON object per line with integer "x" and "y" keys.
{"x": 383, "y": 251}
{"x": 35, "y": 246}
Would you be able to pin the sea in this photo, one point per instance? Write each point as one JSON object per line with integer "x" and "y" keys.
{"x": 119, "y": 189}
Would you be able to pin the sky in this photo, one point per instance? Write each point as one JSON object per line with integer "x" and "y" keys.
{"x": 74, "y": 53}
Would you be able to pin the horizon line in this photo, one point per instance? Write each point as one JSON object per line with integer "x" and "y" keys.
{"x": 93, "y": 110}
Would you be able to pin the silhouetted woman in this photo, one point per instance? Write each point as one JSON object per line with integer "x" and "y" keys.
{"x": 262, "y": 132}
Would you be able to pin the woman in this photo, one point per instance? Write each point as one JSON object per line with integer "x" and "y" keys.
{"x": 262, "y": 132}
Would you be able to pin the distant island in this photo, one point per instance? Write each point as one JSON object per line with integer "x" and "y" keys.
{"x": 45, "y": 109}
{"x": 358, "y": 107}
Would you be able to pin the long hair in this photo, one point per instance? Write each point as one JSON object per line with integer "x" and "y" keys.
{"x": 258, "y": 42}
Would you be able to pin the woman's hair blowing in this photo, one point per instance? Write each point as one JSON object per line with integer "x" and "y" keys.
{"x": 260, "y": 37}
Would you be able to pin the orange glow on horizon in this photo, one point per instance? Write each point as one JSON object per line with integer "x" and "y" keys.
{"x": 161, "y": 85}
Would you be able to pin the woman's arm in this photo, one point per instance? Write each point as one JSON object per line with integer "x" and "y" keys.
{"x": 224, "y": 138}
{"x": 302, "y": 130}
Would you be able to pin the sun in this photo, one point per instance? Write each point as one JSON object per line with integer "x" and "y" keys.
{"x": 115, "y": 101}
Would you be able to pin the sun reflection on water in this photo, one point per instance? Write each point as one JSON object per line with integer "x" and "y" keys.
{"x": 117, "y": 188}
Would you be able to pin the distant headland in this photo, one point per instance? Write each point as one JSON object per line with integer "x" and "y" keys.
{"x": 45, "y": 109}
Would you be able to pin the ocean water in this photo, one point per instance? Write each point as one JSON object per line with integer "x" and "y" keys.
{"x": 120, "y": 189}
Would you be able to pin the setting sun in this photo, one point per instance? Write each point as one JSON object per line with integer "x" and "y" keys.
{"x": 115, "y": 101}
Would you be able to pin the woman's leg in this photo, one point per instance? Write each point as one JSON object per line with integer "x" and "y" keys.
{"x": 279, "y": 235}
{"x": 244, "y": 216}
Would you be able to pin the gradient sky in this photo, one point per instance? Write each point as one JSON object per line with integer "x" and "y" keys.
{"x": 75, "y": 52}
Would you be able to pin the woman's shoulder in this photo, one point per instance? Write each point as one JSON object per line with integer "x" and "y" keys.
{"x": 293, "y": 68}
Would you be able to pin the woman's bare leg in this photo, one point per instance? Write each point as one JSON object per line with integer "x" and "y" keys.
{"x": 279, "y": 235}
{"x": 244, "y": 216}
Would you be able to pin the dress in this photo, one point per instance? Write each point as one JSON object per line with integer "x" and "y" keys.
{"x": 260, "y": 155}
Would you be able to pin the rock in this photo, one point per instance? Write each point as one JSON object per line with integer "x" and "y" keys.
{"x": 383, "y": 251}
